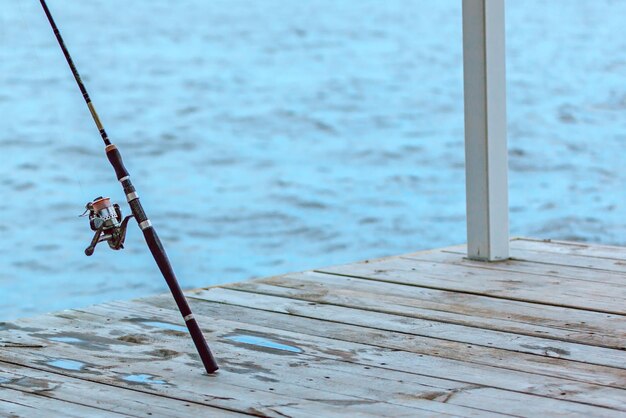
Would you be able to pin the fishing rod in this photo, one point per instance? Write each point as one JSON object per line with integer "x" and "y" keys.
{"x": 106, "y": 219}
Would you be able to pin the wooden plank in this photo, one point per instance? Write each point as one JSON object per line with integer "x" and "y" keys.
{"x": 382, "y": 314}
{"x": 189, "y": 382}
{"x": 103, "y": 397}
{"x": 321, "y": 348}
{"x": 19, "y": 404}
{"x": 329, "y": 343}
{"x": 285, "y": 385}
{"x": 532, "y": 251}
{"x": 572, "y": 248}
{"x": 564, "y": 324}
{"x": 592, "y": 266}
{"x": 427, "y": 364}
{"x": 505, "y": 285}
{"x": 348, "y": 354}
{"x": 610, "y": 281}
{"x": 553, "y": 252}
{"x": 396, "y": 333}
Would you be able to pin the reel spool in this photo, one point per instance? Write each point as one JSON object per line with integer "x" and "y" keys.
{"x": 106, "y": 220}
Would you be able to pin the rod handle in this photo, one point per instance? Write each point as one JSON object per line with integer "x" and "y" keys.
{"x": 156, "y": 248}
{"x": 206, "y": 356}
{"x": 115, "y": 158}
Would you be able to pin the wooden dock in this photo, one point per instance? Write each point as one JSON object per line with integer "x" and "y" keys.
{"x": 423, "y": 334}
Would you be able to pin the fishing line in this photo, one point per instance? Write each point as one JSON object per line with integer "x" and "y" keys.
{"x": 31, "y": 44}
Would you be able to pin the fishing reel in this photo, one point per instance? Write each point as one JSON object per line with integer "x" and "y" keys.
{"x": 106, "y": 220}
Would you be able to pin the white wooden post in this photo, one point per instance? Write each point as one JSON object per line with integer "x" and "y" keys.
{"x": 486, "y": 158}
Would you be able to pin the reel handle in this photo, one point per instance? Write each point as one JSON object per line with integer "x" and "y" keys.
{"x": 96, "y": 239}
{"x": 156, "y": 248}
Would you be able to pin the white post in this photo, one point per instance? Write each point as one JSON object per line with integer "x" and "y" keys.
{"x": 486, "y": 158}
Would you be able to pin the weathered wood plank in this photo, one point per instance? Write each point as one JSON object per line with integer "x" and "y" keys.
{"x": 593, "y": 265}
{"x": 610, "y": 281}
{"x": 20, "y": 404}
{"x": 552, "y": 322}
{"x": 321, "y": 345}
{"x": 572, "y": 248}
{"x": 561, "y": 253}
{"x": 381, "y": 315}
{"x": 506, "y": 285}
{"x": 103, "y": 397}
{"x": 341, "y": 326}
{"x": 272, "y": 406}
{"x": 244, "y": 380}
{"x": 427, "y": 333}
{"x": 426, "y": 364}
{"x": 111, "y": 365}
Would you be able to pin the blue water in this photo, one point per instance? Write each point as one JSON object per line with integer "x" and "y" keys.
{"x": 273, "y": 136}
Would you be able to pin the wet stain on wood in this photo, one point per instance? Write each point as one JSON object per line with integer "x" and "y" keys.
{"x": 548, "y": 351}
{"x": 168, "y": 327}
{"x": 5, "y": 326}
{"x": 244, "y": 367}
{"x": 262, "y": 342}
{"x": 134, "y": 338}
{"x": 83, "y": 340}
{"x": 143, "y": 379}
{"x": 163, "y": 353}
{"x": 30, "y": 385}
{"x": 66, "y": 364}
